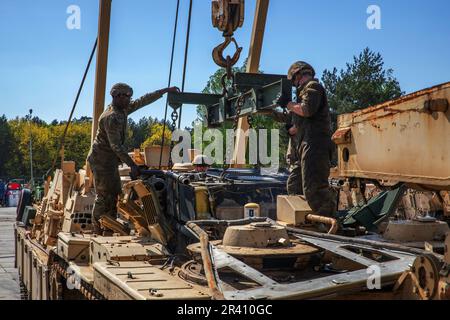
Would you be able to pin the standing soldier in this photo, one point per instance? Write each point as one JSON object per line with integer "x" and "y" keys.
{"x": 314, "y": 139}
{"x": 108, "y": 149}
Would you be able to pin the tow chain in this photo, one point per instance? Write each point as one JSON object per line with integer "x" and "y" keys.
{"x": 227, "y": 16}
{"x": 239, "y": 105}
{"x": 250, "y": 121}
{"x": 251, "y": 125}
{"x": 285, "y": 111}
{"x": 173, "y": 126}
{"x": 229, "y": 74}
{"x": 86, "y": 289}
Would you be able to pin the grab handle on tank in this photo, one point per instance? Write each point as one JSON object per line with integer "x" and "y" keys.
{"x": 325, "y": 220}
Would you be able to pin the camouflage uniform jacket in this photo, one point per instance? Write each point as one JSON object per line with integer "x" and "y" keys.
{"x": 108, "y": 149}
{"x": 316, "y": 122}
{"x": 294, "y": 141}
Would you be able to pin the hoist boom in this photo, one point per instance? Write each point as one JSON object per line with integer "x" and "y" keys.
{"x": 254, "y": 56}
{"x": 100, "y": 71}
{"x": 250, "y": 92}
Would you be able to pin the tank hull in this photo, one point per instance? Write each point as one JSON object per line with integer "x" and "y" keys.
{"x": 401, "y": 140}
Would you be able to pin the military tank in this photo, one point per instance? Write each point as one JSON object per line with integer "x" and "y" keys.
{"x": 186, "y": 235}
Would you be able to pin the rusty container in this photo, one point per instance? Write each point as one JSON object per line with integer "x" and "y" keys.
{"x": 402, "y": 140}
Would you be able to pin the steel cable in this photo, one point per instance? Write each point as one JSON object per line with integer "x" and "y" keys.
{"x": 186, "y": 50}
{"x": 170, "y": 81}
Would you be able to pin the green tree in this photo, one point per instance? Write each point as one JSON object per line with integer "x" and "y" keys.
{"x": 18, "y": 164}
{"x": 214, "y": 86}
{"x": 6, "y": 145}
{"x": 138, "y": 132}
{"x": 77, "y": 142}
{"x": 46, "y": 140}
{"x": 364, "y": 82}
{"x": 156, "y": 134}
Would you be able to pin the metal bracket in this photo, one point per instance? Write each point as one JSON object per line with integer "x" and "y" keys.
{"x": 245, "y": 81}
{"x": 177, "y": 99}
{"x": 261, "y": 92}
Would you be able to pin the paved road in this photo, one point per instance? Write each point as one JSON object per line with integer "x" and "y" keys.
{"x": 9, "y": 277}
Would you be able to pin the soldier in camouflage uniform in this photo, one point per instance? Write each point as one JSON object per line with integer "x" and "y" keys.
{"x": 313, "y": 147}
{"x": 108, "y": 150}
{"x": 294, "y": 129}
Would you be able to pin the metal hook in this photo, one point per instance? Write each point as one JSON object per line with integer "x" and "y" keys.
{"x": 218, "y": 54}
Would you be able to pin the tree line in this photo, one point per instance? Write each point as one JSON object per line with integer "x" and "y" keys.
{"x": 15, "y": 135}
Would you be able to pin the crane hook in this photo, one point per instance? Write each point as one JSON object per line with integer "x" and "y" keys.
{"x": 227, "y": 62}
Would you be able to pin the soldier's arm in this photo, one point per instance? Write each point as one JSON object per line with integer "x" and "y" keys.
{"x": 146, "y": 99}
{"x": 310, "y": 102}
{"x": 113, "y": 127}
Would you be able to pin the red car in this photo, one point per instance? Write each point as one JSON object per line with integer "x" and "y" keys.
{"x": 13, "y": 192}
{"x": 14, "y": 186}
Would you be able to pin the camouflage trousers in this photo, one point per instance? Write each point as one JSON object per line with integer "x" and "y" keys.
{"x": 107, "y": 189}
{"x": 309, "y": 176}
{"x": 294, "y": 182}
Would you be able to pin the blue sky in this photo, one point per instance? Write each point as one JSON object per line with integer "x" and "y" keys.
{"x": 42, "y": 62}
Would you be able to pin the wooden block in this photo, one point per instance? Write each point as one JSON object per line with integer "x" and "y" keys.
{"x": 292, "y": 209}
{"x": 152, "y": 155}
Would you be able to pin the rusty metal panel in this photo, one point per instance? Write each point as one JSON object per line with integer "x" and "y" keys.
{"x": 405, "y": 140}
{"x": 36, "y": 278}
{"x": 27, "y": 265}
{"x": 123, "y": 248}
{"x": 139, "y": 280}
{"x": 44, "y": 282}
{"x": 20, "y": 250}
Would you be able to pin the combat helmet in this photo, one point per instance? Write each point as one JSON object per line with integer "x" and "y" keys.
{"x": 121, "y": 88}
{"x": 300, "y": 67}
